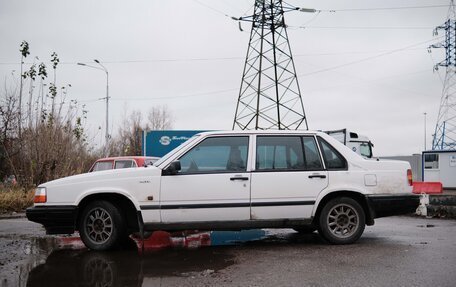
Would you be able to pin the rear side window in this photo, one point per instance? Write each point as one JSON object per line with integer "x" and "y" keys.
{"x": 333, "y": 159}
{"x": 311, "y": 154}
{"x": 102, "y": 165}
{"x": 124, "y": 164}
{"x": 279, "y": 153}
{"x": 287, "y": 153}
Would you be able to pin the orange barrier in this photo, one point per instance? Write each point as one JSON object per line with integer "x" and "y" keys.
{"x": 427, "y": 187}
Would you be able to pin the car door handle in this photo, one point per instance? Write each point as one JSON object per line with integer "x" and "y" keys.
{"x": 317, "y": 175}
{"x": 239, "y": 178}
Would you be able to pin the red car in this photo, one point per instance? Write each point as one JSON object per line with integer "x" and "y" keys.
{"x": 122, "y": 162}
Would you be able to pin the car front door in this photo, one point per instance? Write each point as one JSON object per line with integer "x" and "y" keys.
{"x": 287, "y": 177}
{"x": 212, "y": 185}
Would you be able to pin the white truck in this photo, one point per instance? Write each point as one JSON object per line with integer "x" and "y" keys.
{"x": 358, "y": 143}
{"x": 231, "y": 181}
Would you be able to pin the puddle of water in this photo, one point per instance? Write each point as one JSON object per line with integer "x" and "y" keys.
{"x": 195, "y": 239}
{"x": 61, "y": 261}
{"x": 123, "y": 268}
{"x": 64, "y": 261}
{"x": 220, "y": 238}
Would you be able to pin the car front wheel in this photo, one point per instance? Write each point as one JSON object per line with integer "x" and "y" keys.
{"x": 342, "y": 221}
{"x": 101, "y": 226}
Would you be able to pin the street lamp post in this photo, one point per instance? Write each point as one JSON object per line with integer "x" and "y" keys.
{"x": 103, "y": 68}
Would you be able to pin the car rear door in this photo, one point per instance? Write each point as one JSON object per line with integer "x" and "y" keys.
{"x": 287, "y": 177}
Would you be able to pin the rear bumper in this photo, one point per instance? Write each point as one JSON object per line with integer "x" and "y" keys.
{"x": 55, "y": 219}
{"x": 389, "y": 205}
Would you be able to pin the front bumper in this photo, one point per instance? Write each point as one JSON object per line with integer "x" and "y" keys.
{"x": 389, "y": 205}
{"x": 55, "y": 219}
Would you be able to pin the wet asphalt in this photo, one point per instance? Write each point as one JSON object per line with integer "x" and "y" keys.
{"x": 396, "y": 251}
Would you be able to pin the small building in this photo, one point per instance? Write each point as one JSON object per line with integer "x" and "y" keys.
{"x": 440, "y": 165}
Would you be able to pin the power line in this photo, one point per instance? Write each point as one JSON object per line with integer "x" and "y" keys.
{"x": 167, "y": 60}
{"x": 343, "y": 10}
{"x": 143, "y": 61}
{"x": 366, "y": 59}
{"x": 228, "y": 90}
{"x": 360, "y": 27}
{"x": 350, "y": 53}
{"x": 232, "y": 90}
{"x": 208, "y": 59}
{"x": 384, "y": 8}
{"x": 212, "y": 8}
{"x": 176, "y": 97}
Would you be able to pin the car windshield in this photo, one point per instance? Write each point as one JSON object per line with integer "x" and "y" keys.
{"x": 365, "y": 149}
{"x": 169, "y": 154}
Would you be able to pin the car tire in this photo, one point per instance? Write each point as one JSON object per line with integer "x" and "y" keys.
{"x": 102, "y": 227}
{"x": 342, "y": 221}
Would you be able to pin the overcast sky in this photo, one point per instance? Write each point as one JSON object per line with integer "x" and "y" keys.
{"x": 366, "y": 70}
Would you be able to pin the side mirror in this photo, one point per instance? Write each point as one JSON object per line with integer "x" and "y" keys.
{"x": 173, "y": 168}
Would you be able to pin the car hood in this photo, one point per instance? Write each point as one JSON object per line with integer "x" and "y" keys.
{"x": 106, "y": 175}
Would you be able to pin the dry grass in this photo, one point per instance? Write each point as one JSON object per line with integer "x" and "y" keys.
{"x": 15, "y": 200}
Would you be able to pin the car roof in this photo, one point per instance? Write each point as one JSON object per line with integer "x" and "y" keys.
{"x": 261, "y": 132}
{"x": 126, "y": 158}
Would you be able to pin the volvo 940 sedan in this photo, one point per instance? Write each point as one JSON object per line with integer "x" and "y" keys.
{"x": 231, "y": 181}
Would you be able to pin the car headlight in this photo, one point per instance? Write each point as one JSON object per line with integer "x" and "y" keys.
{"x": 40, "y": 195}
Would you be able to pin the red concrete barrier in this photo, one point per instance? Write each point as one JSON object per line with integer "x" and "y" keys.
{"x": 427, "y": 187}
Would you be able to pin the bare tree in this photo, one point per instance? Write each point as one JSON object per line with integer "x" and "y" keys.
{"x": 9, "y": 124}
{"x": 160, "y": 118}
{"x": 129, "y": 137}
{"x": 128, "y": 140}
{"x": 24, "y": 49}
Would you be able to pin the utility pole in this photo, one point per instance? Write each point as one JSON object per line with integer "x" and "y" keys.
{"x": 445, "y": 129}
{"x": 269, "y": 96}
{"x": 425, "y": 114}
{"x": 107, "y": 105}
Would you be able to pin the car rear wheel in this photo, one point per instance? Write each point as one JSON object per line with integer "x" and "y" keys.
{"x": 342, "y": 221}
{"x": 101, "y": 226}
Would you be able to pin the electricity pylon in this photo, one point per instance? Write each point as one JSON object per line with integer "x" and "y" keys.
{"x": 445, "y": 129}
{"x": 269, "y": 96}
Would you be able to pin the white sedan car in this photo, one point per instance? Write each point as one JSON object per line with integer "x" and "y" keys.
{"x": 231, "y": 181}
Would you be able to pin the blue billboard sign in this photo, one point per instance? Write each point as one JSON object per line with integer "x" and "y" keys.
{"x": 159, "y": 143}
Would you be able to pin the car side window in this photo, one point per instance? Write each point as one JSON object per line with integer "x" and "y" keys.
{"x": 311, "y": 155}
{"x": 216, "y": 154}
{"x": 102, "y": 165}
{"x": 123, "y": 164}
{"x": 279, "y": 153}
{"x": 333, "y": 159}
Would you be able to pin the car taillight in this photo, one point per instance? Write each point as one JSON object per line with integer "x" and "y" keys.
{"x": 409, "y": 177}
{"x": 40, "y": 195}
